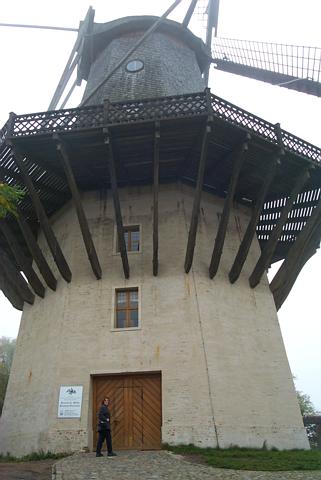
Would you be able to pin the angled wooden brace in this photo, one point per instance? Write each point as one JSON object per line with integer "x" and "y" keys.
{"x": 300, "y": 252}
{"x": 15, "y": 278}
{"x": 240, "y": 154}
{"x": 267, "y": 253}
{"x": 43, "y": 219}
{"x": 197, "y": 198}
{"x": 9, "y": 291}
{"x": 36, "y": 252}
{"x": 118, "y": 216}
{"x": 251, "y": 228}
{"x": 86, "y": 235}
{"x": 21, "y": 260}
{"x": 155, "y": 198}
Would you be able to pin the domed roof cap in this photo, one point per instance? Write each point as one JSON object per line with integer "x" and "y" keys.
{"x": 104, "y": 33}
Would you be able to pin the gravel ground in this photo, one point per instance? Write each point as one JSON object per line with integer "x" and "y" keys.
{"x": 157, "y": 465}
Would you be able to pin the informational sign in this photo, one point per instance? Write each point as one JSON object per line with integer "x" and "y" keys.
{"x": 70, "y": 398}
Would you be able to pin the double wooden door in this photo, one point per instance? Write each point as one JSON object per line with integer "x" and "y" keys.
{"x": 135, "y": 407}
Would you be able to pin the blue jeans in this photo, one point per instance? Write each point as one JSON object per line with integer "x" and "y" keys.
{"x": 104, "y": 434}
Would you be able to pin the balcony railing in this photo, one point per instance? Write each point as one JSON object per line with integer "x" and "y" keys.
{"x": 147, "y": 110}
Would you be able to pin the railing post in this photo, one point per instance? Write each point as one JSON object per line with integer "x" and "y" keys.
{"x": 10, "y": 125}
{"x": 106, "y": 111}
{"x": 278, "y": 133}
{"x": 208, "y": 100}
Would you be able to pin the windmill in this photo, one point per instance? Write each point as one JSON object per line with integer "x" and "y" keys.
{"x": 293, "y": 67}
{"x": 172, "y": 186}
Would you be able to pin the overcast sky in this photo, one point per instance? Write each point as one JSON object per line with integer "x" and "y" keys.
{"x": 33, "y": 60}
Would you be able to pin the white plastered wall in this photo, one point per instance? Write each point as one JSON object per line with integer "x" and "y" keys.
{"x": 225, "y": 375}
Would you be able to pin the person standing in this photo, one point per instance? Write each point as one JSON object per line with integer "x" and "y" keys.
{"x": 104, "y": 429}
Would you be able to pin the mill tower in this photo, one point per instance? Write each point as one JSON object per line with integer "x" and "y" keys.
{"x": 152, "y": 212}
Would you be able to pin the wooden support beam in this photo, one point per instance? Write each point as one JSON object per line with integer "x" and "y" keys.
{"x": 197, "y": 199}
{"x": 73, "y": 59}
{"x": 300, "y": 252}
{"x": 278, "y": 133}
{"x": 36, "y": 252}
{"x": 86, "y": 235}
{"x": 267, "y": 253}
{"x": 189, "y": 13}
{"x": 119, "y": 221}
{"x": 70, "y": 91}
{"x": 15, "y": 278}
{"x": 155, "y": 199}
{"x": 10, "y": 292}
{"x": 43, "y": 219}
{"x": 251, "y": 228}
{"x": 221, "y": 234}
{"x": 22, "y": 261}
{"x": 212, "y": 17}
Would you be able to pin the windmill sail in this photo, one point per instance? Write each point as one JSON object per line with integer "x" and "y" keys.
{"x": 291, "y": 66}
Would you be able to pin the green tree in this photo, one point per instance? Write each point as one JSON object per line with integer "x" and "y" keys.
{"x": 7, "y": 347}
{"x": 306, "y": 405}
{"x": 9, "y": 197}
{"x": 307, "y": 408}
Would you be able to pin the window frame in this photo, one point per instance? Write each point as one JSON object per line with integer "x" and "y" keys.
{"x": 137, "y": 69}
{"x": 116, "y": 290}
{"x": 129, "y": 226}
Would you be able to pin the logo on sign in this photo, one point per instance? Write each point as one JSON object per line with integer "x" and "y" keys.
{"x": 71, "y": 391}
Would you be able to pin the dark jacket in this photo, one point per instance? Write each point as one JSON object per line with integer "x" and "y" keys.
{"x": 103, "y": 418}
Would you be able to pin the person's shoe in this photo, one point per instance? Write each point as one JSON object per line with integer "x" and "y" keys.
{"x": 99, "y": 455}
{"x": 112, "y": 454}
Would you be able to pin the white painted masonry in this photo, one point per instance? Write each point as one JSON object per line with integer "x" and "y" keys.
{"x": 225, "y": 375}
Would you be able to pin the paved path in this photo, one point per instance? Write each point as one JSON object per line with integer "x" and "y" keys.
{"x": 160, "y": 465}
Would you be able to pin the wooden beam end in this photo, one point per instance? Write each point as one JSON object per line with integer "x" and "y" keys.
{"x": 233, "y": 276}
{"x": 187, "y": 266}
{"x": 67, "y": 276}
{"x": 52, "y": 283}
{"x": 98, "y": 274}
{"x": 253, "y": 282}
{"x": 211, "y": 274}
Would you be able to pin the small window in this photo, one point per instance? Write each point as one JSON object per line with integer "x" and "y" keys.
{"x": 126, "y": 308}
{"x": 134, "y": 66}
{"x": 132, "y": 238}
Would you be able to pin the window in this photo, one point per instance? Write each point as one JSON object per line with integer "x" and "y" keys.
{"x": 132, "y": 238}
{"x": 134, "y": 66}
{"x": 126, "y": 308}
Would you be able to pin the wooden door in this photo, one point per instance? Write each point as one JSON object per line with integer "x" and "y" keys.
{"x": 135, "y": 407}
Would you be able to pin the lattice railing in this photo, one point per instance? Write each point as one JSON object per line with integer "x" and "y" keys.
{"x": 244, "y": 119}
{"x": 180, "y": 106}
{"x": 157, "y": 108}
{"x": 233, "y": 114}
{"x": 3, "y": 133}
{"x": 57, "y": 121}
{"x": 299, "y": 146}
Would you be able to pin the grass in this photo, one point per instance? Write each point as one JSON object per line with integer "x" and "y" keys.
{"x": 32, "y": 457}
{"x": 253, "y": 459}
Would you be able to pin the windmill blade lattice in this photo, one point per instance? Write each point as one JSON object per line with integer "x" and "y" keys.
{"x": 290, "y": 66}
